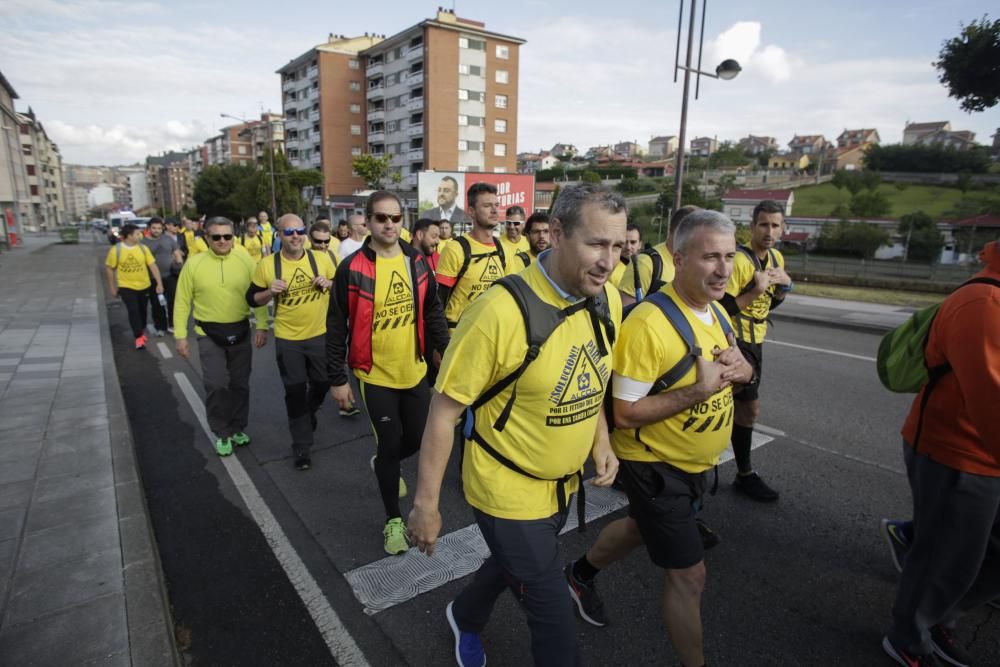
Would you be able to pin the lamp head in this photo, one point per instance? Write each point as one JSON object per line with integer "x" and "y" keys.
{"x": 728, "y": 69}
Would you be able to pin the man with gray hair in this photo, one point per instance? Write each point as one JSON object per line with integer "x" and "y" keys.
{"x": 523, "y": 460}
{"x": 675, "y": 365}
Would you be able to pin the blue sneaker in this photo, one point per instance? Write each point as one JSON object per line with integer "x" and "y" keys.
{"x": 468, "y": 649}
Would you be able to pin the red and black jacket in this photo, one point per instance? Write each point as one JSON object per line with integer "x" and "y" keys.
{"x": 352, "y": 311}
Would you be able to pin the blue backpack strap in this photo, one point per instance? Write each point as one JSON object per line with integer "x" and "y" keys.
{"x": 723, "y": 322}
{"x": 680, "y": 323}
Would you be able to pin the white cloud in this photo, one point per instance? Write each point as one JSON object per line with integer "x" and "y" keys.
{"x": 742, "y": 42}
{"x": 92, "y": 144}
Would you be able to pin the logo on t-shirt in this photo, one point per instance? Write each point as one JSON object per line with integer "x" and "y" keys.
{"x": 300, "y": 289}
{"x": 713, "y": 414}
{"x": 398, "y": 308}
{"x": 131, "y": 264}
{"x": 579, "y": 392}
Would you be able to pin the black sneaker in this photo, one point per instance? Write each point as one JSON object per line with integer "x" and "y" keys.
{"x": 709, "y": 538}
{"x": 588, "y": 602}
{"x": 946, "y": 646}
{"x": 895, "y": 538}
{"x": 302, "y": 463}
{"x": 754, "y": 487}
{"x": 350, "y": 411}
{"x": 908, "y": 659}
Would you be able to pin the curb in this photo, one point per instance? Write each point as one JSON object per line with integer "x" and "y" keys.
{"x": 150, "y": 625}
{"x": 872, "y": 328}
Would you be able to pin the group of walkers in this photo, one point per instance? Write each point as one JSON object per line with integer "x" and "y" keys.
{"x": 558, "y": 340}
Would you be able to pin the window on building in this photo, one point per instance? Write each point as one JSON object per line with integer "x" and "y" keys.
{"x": 34, "y": 190}
{"x": 241, "y": 150}
{"x": 500, "y": 101}
{"x": 463, "y": 145}
{"x": 355, "y": 150}
{"x": 500, "y": 150}
{"x": 500, "y": 126}
{"x": 503, "y": 52}
{"x": 356, "y": 130}
{"x": 25, "y": 129}
{"x": 353, "y": 64}
{"x": 477, "y": 146}
{"x": 502, "y": 76}
{"x": 463, "y": 119}
{"x": 26, "y": 149}
{"x": 354, "y": 86}
{"x": 473, "y": 70}
{"x": 463, "y": 94}
{"x": 355, "y": 108}
{"x": 476, "y": 96}
{"x": 31, "y": 170}
{"x": 499, "y": 170}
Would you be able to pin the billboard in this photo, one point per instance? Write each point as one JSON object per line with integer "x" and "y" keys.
{"x": 437, "y": 190}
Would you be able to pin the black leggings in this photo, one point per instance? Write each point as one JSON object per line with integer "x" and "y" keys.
{"x": 135, "y": 304}
{"x": 398, "y": 417}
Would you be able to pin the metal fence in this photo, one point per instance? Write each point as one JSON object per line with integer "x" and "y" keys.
{"x": 894, "y": 269}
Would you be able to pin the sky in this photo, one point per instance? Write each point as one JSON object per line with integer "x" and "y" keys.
{"x": 116, "y": 80}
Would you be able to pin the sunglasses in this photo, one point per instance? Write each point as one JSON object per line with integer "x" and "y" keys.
{"x": 513, "y": 223}
{"x": 385, "y": 217}
{"x": 295, "y": 231}
{"x": 320, "y": 242}
{"x": 221, "y": 237}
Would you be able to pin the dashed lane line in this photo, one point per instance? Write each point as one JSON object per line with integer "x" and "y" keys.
{"x": 345, "y": 651}
{"x": 164, "y": 350}
{"x": 820, "y": 349}
{"x": 396, "y": 579}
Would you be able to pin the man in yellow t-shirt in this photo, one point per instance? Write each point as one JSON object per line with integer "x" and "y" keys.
{"x": 128, "y": 266}
{"x": 266, "y": 230}
{"x": 446, "y": 235}
{"x": 633, "y": 244}
{"x": 758, "y": 285}
{"x": 299, "y": 281}
{"x": 673, "y": 421}
{"x": 321, "y": 239}
{"x": 524, "y": 459}
{"x": 473, "y": 262}
{"x": 215, "y": 283}
{"x": 385, "y": 319}
{"x": 536, "y": 230}
{"x": 651, "y": 269}
{"x": 253, "y": 241}
{"x": 512, "y": 239}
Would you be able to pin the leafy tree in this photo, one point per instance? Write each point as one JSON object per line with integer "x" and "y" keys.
{"x": 853, "y": 239}
{"x": 871, "y": 180}
{"x": 727, "y": 154}
{"x": 590, "y": 176}
{"x": 373, "y": 169}
{"x": 924, "y": 241}
{"x": 969, "y": 65}
{"x": 870, "y": 204}
{"x": 224, "y": 190}
{"x": 855, "y": 183}
{"x": 964, "y": 181}
{"x": 840, "y": 178}
{"x": 927, "y": 159}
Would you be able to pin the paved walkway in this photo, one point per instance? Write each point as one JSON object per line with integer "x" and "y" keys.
{"x": 855, "y": 315}
{"x": 80, "y": 579}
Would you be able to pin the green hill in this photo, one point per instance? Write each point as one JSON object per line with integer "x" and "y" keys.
{"x": 817, "y": 201}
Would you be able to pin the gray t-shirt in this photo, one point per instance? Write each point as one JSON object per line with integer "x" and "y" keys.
{"x": 163, "y": 252}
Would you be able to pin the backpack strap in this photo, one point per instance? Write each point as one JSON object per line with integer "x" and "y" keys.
{"x": 312, "y": 263}
{"x": 756, "y": 267}
{"x": 673, "y": 313}
{"x": 656, "y": 279}
{"x": 524, "y": 257}
{"x": 467, "y": 256}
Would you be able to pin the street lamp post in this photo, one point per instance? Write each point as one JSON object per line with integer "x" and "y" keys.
{"x": 727, "y": 69}
{"x": 270, "y": 157}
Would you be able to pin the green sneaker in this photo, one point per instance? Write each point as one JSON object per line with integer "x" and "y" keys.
{"x": 395, "y": 537}
{"x": 240, "y": 439}
{"x": 402, "y": 483}
{"x": 223, "y": 447}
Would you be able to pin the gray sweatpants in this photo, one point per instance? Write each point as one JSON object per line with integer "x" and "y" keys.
{"x": 225, "y": 372}
{"x": 953, "y": 564}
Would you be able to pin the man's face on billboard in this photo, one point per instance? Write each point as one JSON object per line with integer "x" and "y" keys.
{"x": 447, "y": 193}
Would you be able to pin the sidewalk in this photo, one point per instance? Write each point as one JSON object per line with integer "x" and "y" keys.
{"x": 854, "y": 315}
{"x": 80, "y": 579}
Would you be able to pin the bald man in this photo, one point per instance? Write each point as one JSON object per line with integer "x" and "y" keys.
{"x": 359, "y": 230}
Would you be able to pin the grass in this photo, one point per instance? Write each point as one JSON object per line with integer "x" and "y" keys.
{"x": 817, "y": 201}
{"x": 870, "y": 295}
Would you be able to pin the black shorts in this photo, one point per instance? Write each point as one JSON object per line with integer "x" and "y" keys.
{"x": 663, "y": 500}
{"x": 754, "y": 353}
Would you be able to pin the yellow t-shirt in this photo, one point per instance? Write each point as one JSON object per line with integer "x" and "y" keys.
{"x": 743, "y": 271}
{"x": 483, "y": 270}
{"x": 617, "y": 273}
{"x": 267, "y": 232}
{"x": 510, "y": 249}
{"x": 644, "y": 265}
{"x": 253, "y": 245}
{"x": 300, "y": 312}
{"x": 133, "y": 266}
{"x": 394, "y": 336}
{"x": 551, "y": 429}
{"x": 404, "y": 234}
{"x": 648, "y": 347}
{"x": 518, "y": 264}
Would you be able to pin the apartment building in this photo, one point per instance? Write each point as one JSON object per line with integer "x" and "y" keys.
{"x": 168, "y": 181}
{"x": 264, "y": 134}
{"x": 13, "y": 179}
{"x": 441, "y": 95}
{"x": 43, "y": 168}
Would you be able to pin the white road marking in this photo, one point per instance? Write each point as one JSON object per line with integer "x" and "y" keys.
{"x": 164, "y": 350}
{"x": 820, "y": 349}
{"x": 342, "y": 646}
{"x": 396, "y": 579}
{"x": 770, "y": 431}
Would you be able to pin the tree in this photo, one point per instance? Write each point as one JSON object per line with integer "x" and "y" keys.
{"x": 924, "y": 241}
{"x": 969, "y": 65}
{"x": 870, "y": 204}
{"x": 964, "y": 181}
{"x": 227, "y": 190}
{"x": 840, "y": 178}
{"x": 854, "y": 239}
{"x": 871, "y": 180}
{"x": 927, "y": 159}
{"x": 373, "y": 169}
{"x": 590, "y": 177}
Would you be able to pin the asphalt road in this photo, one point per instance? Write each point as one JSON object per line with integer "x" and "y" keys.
{"x": 806, "y": 581}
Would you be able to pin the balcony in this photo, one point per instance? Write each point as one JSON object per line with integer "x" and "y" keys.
{"x": 291, "y": 143}
{"x": 375, "y": 69}
{"x": 416, "y": 155}
{"x": 376, "y": 115}
{"x": 416, "y": 104}
{"x": 312, "y": 72}
{"x": 315, "y": 160}
{"x": 376, "y": 137}
{"x": 415, "y": 78}
{"x": 313, "y": 93}
{"x": 287, "y": 85}
{"x": 375, "y": 93}
{"x": 415, "y": 52}
{"x": 410, "y": 181}
{"x": 415, "y": 130}
{"x": 314, "y": 115}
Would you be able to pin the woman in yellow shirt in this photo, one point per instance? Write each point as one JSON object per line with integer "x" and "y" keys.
{"x": 128, "y": 267}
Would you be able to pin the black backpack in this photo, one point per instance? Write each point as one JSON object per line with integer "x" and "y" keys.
{"x": 468, "y": 257}
{"x": 277, "y": 272}
{"x": 540, "y": 320}
{"x": 656, "y": 279}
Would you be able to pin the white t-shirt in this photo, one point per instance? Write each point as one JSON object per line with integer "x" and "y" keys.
{"x": 349, "y": 246}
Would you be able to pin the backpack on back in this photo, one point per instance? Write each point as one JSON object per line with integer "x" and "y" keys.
{"x": 467, "y": 256}
{"x": 656, "y": 281}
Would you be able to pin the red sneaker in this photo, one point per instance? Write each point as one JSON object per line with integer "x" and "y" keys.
{"x": 140, "y": 343}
